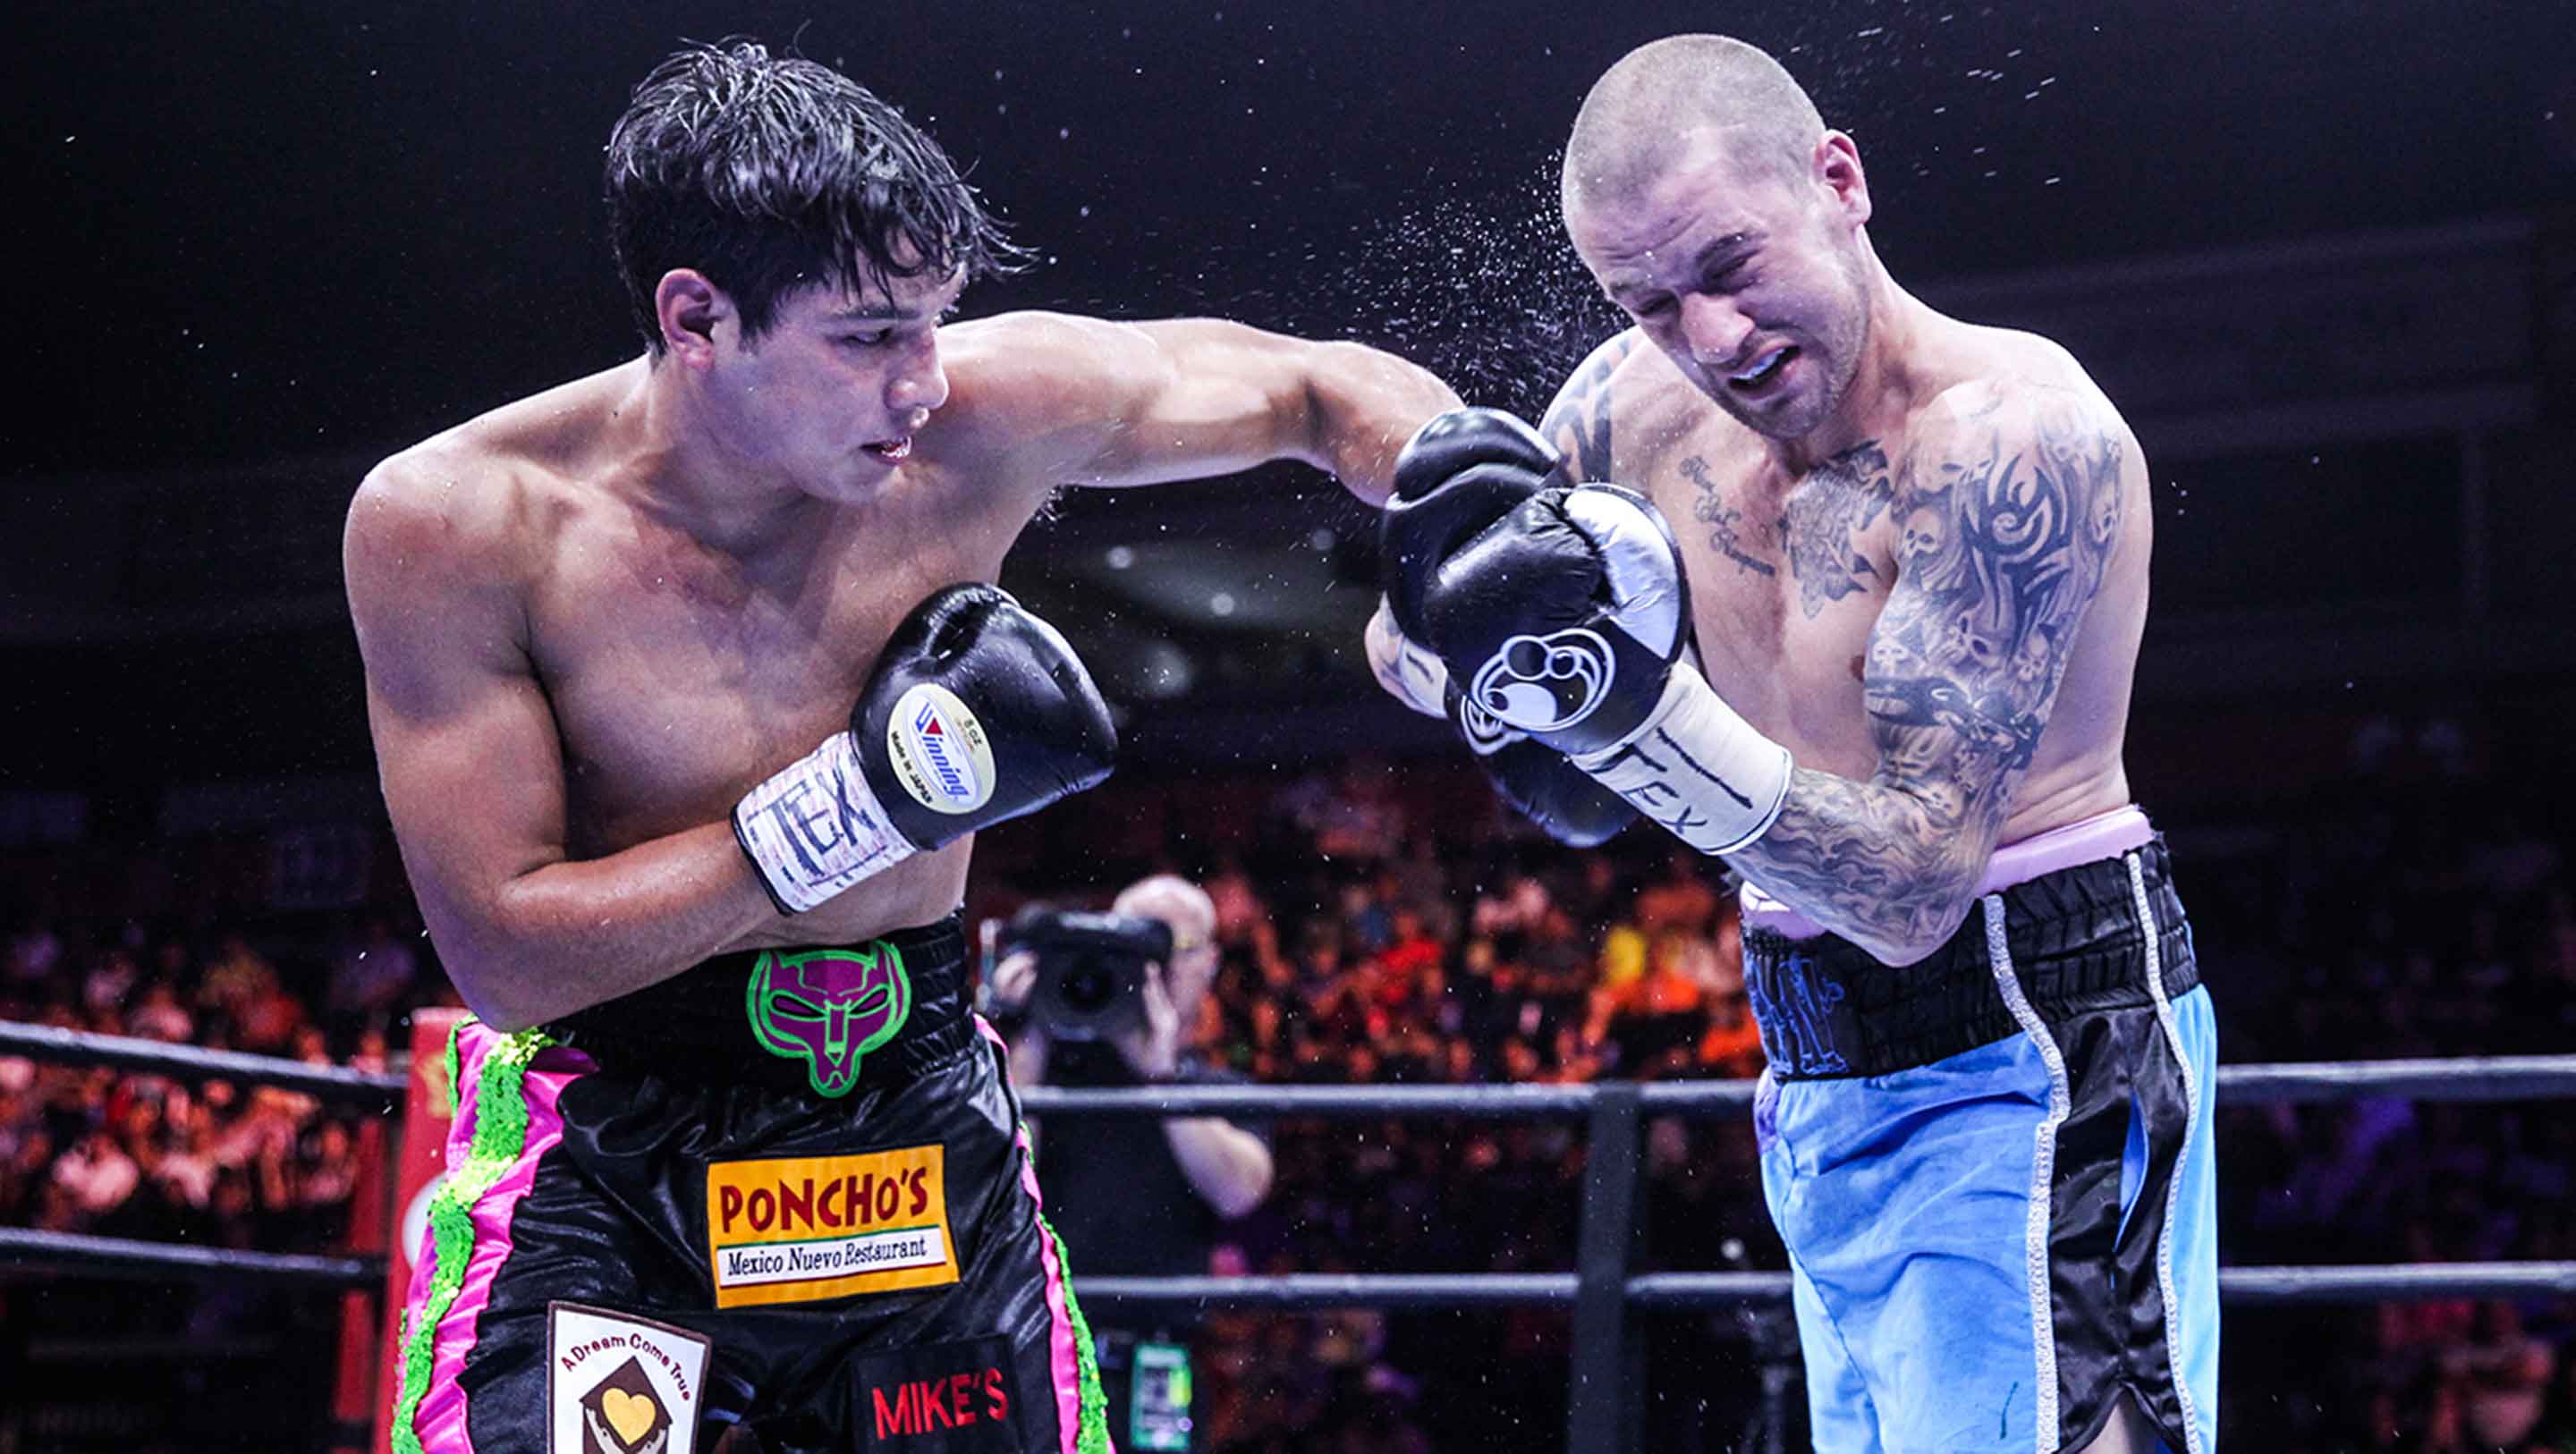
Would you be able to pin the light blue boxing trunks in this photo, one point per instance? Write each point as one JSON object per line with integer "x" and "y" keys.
{"x": 1993, "y": 1168}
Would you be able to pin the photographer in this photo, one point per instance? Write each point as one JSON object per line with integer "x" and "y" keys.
{"x": 1116, "y": 1000}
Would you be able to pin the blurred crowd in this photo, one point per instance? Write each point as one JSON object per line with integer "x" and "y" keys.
{"x": 2409, "y": 911}
{"x": 1383, "y": 924}
{"x": 94, "y": 1150}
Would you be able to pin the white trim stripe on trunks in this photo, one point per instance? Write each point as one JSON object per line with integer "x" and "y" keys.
{"x": 2043, "y": 1170}
{"x": 2182, "y": 1155}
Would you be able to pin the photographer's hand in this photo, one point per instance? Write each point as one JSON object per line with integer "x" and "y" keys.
{"x": 1229, "y": 1167}
{"x": 1153, "y": 1048}
{"x": 1013, "y": 978}
{"x": 1008, "y": 992}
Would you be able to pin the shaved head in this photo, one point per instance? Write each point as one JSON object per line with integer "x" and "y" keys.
{"x": 1191, "y": 915}
{"x": 1640, "y": 114}
{"x": 1177, "y": 902}
{"x": 1706, "y": 197}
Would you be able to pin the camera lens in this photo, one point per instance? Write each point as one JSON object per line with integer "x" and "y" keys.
{"x": 1088, "y": 986}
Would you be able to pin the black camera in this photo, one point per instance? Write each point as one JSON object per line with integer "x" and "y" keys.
{"x": 1090, "y": 969}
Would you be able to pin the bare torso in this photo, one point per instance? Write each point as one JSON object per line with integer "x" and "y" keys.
{"x": 679, "y": 674}
{"x": 1788, "y": 575}
{"x": 593, "y": 619}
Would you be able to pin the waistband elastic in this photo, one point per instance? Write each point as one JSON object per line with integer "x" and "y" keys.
{"x": 826, "y": 1021}
{"x": 2104, "y": 835}
{"x": 1826, "y": 1009}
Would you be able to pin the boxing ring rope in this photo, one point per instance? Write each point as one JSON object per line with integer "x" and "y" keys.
{"x": 2461, "y": 1078}
{"x": 70, "y": 1252}
{"x": 74, "y": 1254}
{"x": 1601, "y": 1290}
{"x": 56, "y": 1046}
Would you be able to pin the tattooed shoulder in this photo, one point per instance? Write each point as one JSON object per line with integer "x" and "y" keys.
{"x": 1578, "y": 422}
{"x": 2007, "y": 507}
{"x": 2007, "y": 513}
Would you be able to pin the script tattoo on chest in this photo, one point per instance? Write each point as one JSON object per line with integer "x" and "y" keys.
{"x": 1841, "y": 498}
{"x": 1725, "y": 523}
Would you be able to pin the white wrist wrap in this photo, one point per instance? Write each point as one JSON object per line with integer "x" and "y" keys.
{"x": 1424, "y": 679}
{"x": 1697, "y": 768}
{"x": 815, "y": 828}
{"x": 1408, "y": 672}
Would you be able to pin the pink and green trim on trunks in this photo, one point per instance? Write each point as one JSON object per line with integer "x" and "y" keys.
{"x": 505, "y": 1120}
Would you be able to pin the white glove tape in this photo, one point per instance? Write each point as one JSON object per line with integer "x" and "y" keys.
{"x": 815, "y": 827}
{"x": 1697, "y": 768}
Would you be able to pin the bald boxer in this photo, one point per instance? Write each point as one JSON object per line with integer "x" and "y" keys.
{"x": 1849, "y": 593}
{"x": 689, "y": 685}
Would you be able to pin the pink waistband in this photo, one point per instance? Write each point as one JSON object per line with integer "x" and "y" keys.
{"x": 2088, "y": 840}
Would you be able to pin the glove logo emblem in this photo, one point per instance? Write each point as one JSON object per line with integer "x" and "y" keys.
{"x": 1543, "y": 683}
{"x": 1484, "y": 735}
{"x": 939, "y": 751}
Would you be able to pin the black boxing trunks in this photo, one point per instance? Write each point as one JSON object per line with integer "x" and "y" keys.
{"x": 1993, "y": 1168}
{"x": 785, "y": 1192}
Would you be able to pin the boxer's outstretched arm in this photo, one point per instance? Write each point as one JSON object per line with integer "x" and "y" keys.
{"x": 2008, "y": 508}
{"x": 473, "y": 777}
{"x": 1086, "y": 401}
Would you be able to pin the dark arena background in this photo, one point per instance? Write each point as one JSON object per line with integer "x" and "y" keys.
{"x": 2323, "y": 256}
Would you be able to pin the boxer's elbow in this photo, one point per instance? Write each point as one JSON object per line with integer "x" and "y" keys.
{"x": 1933, "y": 879}
{"x": 522, "y": 995}
{"x": 512, "y": 968}
{"x": 1914, "y": 939}
{"x": 1326, "y": 414}
{"x": 501, "y": 988}
{"x": 474, "y": 957}
{"x": 490, "y": 992}
{"x": 1907, "y": 923}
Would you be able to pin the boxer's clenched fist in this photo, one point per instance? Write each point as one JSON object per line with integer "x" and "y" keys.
{"x": 1566, "y": 617}
{"x": 1458, "y": 474}
{"x": 977, "y": 712}
{"x": 1532, "y": 777}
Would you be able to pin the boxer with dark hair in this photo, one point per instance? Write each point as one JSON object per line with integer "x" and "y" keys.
{"x": 1850, "y": 593}
{"x": 689, "y": 686}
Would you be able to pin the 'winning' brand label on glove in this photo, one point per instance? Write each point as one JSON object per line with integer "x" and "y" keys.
{"x": 940, "y": 752}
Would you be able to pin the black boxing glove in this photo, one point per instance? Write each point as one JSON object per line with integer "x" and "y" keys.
{"x": 1567, "y": 619}
{"x": 1532, "y": 777}
{"x": 977, "y": 712}
{"x": 1457, "y": 474}
{"x": 1460, "y": 473}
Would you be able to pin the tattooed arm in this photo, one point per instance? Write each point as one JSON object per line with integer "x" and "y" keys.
{"x": 2008, "y": 506}
{"x": 1578, "y": 422}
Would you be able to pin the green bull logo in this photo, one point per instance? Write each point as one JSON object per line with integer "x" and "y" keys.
{"x": 828, "y": 1008}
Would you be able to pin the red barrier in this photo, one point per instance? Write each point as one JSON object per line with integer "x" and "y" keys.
{"x": 353, "y": 1397}
{"x": 429, "y": 1104}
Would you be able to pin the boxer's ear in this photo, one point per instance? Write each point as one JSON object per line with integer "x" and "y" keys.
{"x": 690, "y": 309}
{"x": 1838, "y": 170}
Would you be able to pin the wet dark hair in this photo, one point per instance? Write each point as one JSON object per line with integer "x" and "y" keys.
{"x": 770, "y": 175}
